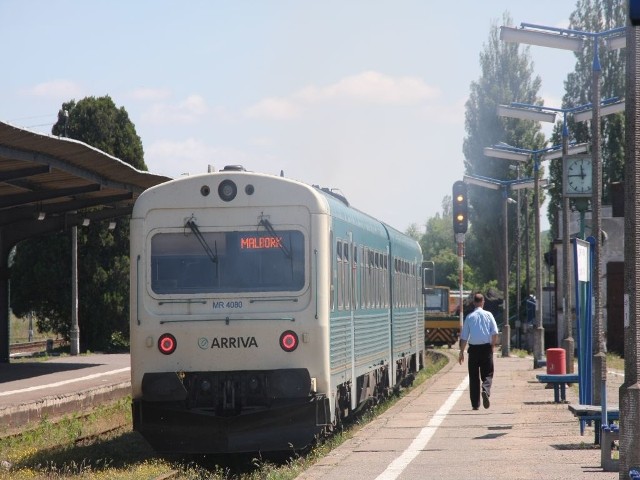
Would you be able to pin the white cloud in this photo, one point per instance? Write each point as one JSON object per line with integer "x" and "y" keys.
{"x": 189, "y": 156}
{"x": 372, "y": 87}
{"x": 367, "y": 87}
{"x": 55, "y": 89}
{"x": 450, "y": 113}
{"x": 150, "y": 94}
{"x": 184, "y": 112}
{"x": 274, "y": 108}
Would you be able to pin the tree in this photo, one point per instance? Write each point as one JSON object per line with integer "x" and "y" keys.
{"x": 413, "y": 231}
{"x": 594, "y": 16}
{"x": 99, "y": 123}
{"x": 41, "y": 270}
{"x": 506, "y": 76}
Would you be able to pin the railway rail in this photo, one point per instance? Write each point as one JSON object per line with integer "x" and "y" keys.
{"x": 24, "y": 348}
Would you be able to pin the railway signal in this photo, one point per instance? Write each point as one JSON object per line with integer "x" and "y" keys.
{"x": 460, "y": 207}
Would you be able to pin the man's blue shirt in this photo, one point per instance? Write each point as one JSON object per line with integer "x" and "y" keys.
{"x": 479, "y": 327}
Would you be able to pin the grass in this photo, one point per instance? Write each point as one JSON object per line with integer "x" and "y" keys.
{"x": 516, "y": 352}
{"x": 19, "y": 330}
{"x": 615, "y": 362}
{"x": 51, "y": 450}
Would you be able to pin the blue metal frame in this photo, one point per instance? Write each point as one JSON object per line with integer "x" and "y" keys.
{"x": 584, "y": 327}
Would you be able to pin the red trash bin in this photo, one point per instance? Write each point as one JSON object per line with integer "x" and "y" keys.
{"x": 556, "y": 361}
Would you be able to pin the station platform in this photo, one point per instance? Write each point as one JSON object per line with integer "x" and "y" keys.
{"x": 434, "y": 433}
{"x": 32, "y": 389}
{"x": 430, "y": 433}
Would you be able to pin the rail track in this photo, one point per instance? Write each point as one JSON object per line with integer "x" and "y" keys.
{"x": 25, "y": 348}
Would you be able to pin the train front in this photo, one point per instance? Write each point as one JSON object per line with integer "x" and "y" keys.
{"x": 228, "y": 342}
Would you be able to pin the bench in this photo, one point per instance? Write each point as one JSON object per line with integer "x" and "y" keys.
{"x": 593, "y": 413}
{"x": 559, "y": 381}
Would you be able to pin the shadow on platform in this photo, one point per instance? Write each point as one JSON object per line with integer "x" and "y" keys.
{"x": 10, "y": 372}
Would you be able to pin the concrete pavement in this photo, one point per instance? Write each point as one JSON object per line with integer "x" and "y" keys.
{"x": 32, "y": 390}
{"x": 433, "y": 433}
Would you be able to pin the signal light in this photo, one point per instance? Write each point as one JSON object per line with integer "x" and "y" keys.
{"x": 460, "y": 207}
{"x": 167, "y": 344}
{"x": 289, "y": 341}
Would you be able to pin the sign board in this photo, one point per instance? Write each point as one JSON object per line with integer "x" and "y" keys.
{"x": 582, "y": 260}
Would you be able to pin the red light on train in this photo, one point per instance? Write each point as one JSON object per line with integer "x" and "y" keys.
{"x": 289, "y": 341}
{"x": 167, "y": 344}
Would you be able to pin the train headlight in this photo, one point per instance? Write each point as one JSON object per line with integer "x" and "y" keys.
{"x": 227, "y": 190}
{"x": 167, "y": 344}
{"x": 289, "y": 341}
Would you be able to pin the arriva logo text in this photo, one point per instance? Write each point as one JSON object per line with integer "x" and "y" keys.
{"x": 228, "y": 342}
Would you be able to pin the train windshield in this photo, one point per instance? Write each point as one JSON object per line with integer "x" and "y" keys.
{"x": 436, "y": 300}
{"x": 227, "y": 262}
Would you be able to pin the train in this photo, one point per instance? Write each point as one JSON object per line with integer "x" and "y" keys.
{"x": 264, "y": 312}
{"x": 441, "y": 323}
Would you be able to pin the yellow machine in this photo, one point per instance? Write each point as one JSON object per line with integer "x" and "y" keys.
{"x": 441, "y": 319}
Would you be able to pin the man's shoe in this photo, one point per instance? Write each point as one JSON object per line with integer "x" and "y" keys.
{"x": 476, "y": 408}
{"x": 485, "y": 400}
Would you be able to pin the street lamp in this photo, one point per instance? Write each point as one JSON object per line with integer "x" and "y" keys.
{"x": 607, "y": 107}
{"x": 532, "y": 112}
{"x": 573, "y": 40}
{"x": 508, "y": 152}
{"x": 506, "y": 186}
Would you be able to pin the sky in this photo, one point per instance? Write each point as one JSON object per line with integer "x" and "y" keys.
{"x": 363, "y": 96}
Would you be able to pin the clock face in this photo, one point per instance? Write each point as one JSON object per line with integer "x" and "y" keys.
{"x": 578, "y": 176}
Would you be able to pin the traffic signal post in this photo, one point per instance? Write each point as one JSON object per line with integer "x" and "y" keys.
{"x": 460, "y": 226}
{"x": 460, "y": 208}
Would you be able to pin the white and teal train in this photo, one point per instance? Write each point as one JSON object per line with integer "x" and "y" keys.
{"x": 263, "y": 312}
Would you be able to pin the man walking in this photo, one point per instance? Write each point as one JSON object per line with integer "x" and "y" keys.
{"x": 480, "y": 331}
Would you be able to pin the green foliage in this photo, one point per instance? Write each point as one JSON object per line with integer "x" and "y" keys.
{"x": 41, "y": 268}
{"x": 99, "y": 123}
{"x": 594, "y": 16}
{"x": 41, "y": 282}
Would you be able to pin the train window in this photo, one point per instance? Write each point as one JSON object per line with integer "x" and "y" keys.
{"x": 347, "y": 277}
{"x": 356, "y": 275}
{"x": 227, "y": 262}
{"x": 367, "y": 278}
{"x": 340, "y": 282}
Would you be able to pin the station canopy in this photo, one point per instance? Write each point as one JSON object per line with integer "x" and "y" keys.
{"x": 48, "y": 184}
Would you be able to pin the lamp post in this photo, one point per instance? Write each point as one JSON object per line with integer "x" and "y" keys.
{"x": 525, "y": 111}
{"x": 542, "y": 113}
{"x": 508, "y": 155}
{"x": 508, "y": 152}
{"x": 506, "y": 186}
{"x": 573, "y": 40}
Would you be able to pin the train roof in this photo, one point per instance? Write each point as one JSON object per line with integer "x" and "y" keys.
{"x": 200, "y": 191}
{"x": 250, "y": 189}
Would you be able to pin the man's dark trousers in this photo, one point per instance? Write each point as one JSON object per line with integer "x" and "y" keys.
{"x": 480, "y": 370}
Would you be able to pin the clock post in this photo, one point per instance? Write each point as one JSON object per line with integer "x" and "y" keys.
{"x": 577, "y": 186}
{"x": 582, "y": 205}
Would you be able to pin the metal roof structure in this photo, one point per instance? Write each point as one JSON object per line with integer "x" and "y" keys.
{"x": 49, "y": 183}
{"x": 42, "y": 174}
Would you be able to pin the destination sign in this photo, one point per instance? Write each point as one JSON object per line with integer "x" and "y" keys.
{"x": 254, "y": 242}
